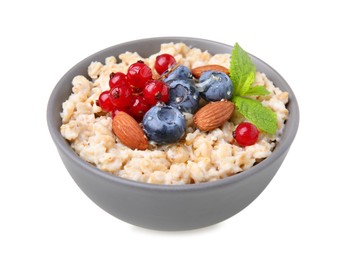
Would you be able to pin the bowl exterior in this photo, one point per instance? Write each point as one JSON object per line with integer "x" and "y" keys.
{"x": 171, "y": 210}
{"x": 168, "y": 207}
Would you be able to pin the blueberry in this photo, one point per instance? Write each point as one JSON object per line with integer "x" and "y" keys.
{"x": 215, "y": 85}
{"x": 183, "y": 95}
{"x": 164, "y": 124}
{"x": 181, "y": 72}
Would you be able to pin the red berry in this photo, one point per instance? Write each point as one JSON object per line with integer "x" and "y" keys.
{"x": 163, "y": 62}
{"x": 122, "y": 96}
{"x": 246, "y": 134}
{"x": 104, "y": 101}
{"x": 118, "y": 79}
{"x": 138, "y": 74}
{"x": 139, "y": 108}
{"x": 156, "y": 91}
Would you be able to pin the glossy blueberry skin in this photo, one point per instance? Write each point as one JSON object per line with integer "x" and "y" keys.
{"x": 183, "y": 95}
{"x": 164, "y": 124}
{"x": 215, "y": 85}
{"x": 181, "y": 72}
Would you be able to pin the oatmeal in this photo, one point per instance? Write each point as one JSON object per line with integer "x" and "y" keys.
{"x": 200, "y": 156}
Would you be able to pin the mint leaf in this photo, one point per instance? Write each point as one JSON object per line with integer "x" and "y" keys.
{"x": 242, "y": 71}
{"x": 262, "y": 117}
{"x": 257, "y": 91}
{"x": 242, "y": 74}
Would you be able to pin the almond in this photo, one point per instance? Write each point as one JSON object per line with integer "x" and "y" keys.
{"x": 213, "y": 115}
{"x": 197, "y": 72}
{"x": 129, "y": 131}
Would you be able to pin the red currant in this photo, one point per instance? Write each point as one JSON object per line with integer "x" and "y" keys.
{"x": 163, "y": 62}
{"x": 156, "y": 91}
{"x": 139, "y": 108}
{"x": 138, "y": 74}
{"x": 246, "y": 134}
{"x": 118, "y": 79}
{"x": 104, "y": 101}
{"x": 122, "y": 96}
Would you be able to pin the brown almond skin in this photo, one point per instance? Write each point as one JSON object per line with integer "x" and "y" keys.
{"x": 213, "y": 115}
{"x": 129, "y": 131}
{"x": 197, "y": 72}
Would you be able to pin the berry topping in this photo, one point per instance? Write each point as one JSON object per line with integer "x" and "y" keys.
{"x": 118, "y": 79}
{"x": 215, "y": 85}
{"x": 246, "y": 134}
{"x": 183, "y": 95}
{"x": 163, "y": 62}
{"x": 104, "y": 101}
{"x": 139, "y": 108}
{"x": 138, "y": 74}
{"x": 179, "y": 72}
{"x": 164, "y": 124}
{"x": 156, "y": 91}
{"x": 121, "y": 97}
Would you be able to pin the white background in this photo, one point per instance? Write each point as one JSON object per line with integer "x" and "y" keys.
{"x": 44, "y": 215}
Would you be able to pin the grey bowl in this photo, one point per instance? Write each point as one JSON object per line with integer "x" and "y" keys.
{"x": 163, "y": 207}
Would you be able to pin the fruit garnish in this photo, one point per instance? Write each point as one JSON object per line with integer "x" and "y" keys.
{"x": 176, "y": 72}
{"x": 139, "y": 108}
{"x": 118, "y": 79}
{"x": 215, "y": 86}
{"x": 243, "y": 72}
{"x": 138, "y": 74}
{"x": 121, "y": 96}
{"x": 104, "y": 101}
{"x": 164, "y": 124}
{"x": 183, "y": 95}
{"x": 246, "y": 134}
{"x": 156, "y": 91}
{"x": 163, "y": 62}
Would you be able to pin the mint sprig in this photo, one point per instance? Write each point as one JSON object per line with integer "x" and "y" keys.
{"x": 262, "y": 117}
{"x": 242, "y": 74}
{"x": 257, "y": 91}
{"x": 242, "y": 71}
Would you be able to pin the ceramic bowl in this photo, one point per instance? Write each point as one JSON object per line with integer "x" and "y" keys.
{"x": 168, "y": 207}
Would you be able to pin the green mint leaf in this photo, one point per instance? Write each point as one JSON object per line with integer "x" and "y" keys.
{"x": 242, "y": 71}
{"x": 262, "y": 117}
{"x": 257, "y": 91}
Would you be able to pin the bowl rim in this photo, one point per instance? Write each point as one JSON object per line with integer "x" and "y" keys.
{"x": 88, "y": 168}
